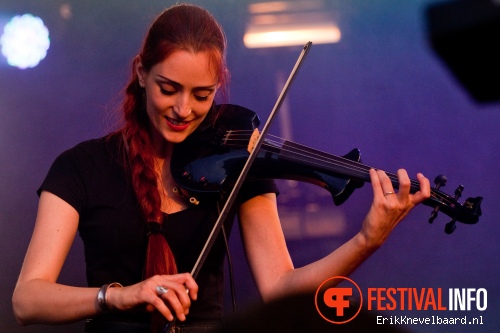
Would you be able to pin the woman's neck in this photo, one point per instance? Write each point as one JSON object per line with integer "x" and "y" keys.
{"x": 162, "y": 148}
{"x": 172, "y": 198}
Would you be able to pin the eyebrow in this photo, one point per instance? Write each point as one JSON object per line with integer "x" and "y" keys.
{"x": 177, "y": 85}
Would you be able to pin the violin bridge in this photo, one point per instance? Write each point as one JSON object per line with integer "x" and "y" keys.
{"x": 253, "y": 140}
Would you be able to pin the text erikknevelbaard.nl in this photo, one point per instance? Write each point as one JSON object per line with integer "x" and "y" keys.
{"x": 428, "y": 299}
{"x": 431, "y": 320}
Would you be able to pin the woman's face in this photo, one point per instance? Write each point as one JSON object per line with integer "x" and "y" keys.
{"x": 179, "y": 93}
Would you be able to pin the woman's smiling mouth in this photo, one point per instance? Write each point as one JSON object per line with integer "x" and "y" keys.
{"x": 177, "y": 125}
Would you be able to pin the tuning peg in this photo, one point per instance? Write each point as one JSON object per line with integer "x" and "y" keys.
{"x": 439, "y": 181}
{"x": 458, "y": 192}
{"x": 450, "y": 226}
{"x": 434, "y": 214}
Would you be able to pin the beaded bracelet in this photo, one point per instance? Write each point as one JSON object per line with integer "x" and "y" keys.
{"x": 102, "y": 299}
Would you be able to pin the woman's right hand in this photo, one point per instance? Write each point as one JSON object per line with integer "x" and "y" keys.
{"x": 175, "y": 303}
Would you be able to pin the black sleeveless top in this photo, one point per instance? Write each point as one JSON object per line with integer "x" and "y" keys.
{"x": 91, "y": 177}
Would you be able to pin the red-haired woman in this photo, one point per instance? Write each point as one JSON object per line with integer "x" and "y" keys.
{"x": 141, "y": 236}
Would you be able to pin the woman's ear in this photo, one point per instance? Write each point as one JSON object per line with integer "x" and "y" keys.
{"x": 139, "y": 70}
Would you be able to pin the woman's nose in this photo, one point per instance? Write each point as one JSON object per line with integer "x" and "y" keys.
{"x": 182, "y": 107}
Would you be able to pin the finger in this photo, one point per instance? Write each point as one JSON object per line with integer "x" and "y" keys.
{"x": 168, "y": 304}
{"x": 159, "y": 304}
{"x": 190, "y": 285}
{"x": 173, "y": 300}
{"x": 154, "y": 298}
{"x": 385, "y": 183}
{"x": 404, "y": 184}
{"x": 425, "y": 189}
{"x": 183, "y": 296}
{"x": 185, "y": 288}
{"x": 375, "y": 180}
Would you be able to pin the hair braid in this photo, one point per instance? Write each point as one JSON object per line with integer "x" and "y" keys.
{"x": 141, "y": 162}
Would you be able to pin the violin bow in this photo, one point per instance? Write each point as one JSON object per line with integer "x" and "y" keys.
{"x": 223, "y": 214}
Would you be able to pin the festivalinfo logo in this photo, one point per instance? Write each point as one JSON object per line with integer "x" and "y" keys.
{"x": 341, "y": 304}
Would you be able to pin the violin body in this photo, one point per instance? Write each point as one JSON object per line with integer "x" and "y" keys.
{"x": 209, "y": 161}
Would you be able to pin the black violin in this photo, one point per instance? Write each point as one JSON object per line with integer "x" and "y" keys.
{"x": 209, "y": 161}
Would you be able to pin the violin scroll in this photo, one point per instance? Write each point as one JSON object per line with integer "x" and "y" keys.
{"x": 467, "y": 213}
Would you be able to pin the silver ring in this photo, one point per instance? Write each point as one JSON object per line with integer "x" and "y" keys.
{"x": 387, "y": 193}
{"x": 161, "y": 290}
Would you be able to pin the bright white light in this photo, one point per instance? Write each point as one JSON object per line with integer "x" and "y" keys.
{"x": 290, "y": 23}
{"x": 289, "y": 36}
{"x": 25, "y": 41}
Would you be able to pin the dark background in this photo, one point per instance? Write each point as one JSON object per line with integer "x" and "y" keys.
{"x": 382, "y": 89}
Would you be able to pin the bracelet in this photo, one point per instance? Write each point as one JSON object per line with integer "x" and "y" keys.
{"x": 102, "y": 298}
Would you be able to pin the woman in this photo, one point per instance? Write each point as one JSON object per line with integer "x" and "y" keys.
{"x": 140, "y": 233}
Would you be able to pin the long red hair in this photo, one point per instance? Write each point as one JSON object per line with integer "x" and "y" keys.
{"x": 181, "y": 27}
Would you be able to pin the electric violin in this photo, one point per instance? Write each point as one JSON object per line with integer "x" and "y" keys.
{"x": 208, "y": 163}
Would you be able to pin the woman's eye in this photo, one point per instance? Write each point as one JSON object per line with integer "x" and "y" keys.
{"x": 201, "y": 98}
{"x": 167, "y": 92}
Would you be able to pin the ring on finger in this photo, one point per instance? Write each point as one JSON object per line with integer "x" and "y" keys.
{"x": 161, "y": 290}
{"x": 387, "y": 193}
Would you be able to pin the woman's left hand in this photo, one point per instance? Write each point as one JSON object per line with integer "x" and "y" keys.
{"x": 389, "y": 206}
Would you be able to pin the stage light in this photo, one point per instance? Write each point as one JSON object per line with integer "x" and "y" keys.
{"x": 25, "y": 41}
{"x": 280, "y": 23}
{"x": 289, "y": 35}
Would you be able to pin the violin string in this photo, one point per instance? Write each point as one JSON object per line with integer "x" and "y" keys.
{"x": 359, "y": 168}
{"x": 240, "y": 138}
{"x": 353, "y": 166}
{"x": 342, "y": 162}
{"x": 346, "y": 163}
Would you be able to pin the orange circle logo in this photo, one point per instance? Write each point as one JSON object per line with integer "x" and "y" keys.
{"x": 338, "y": 304}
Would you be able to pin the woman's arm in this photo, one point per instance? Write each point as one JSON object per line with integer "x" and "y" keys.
{"x": 270, "y": 261}
{"x": 39, "y": 299}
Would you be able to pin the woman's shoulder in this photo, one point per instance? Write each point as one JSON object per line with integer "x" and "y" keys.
{"x": 80, "y": 172}
{"x": 110, "y": 142}
{"x": 90, "y": 156}
{"x": 105, "y": 147}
